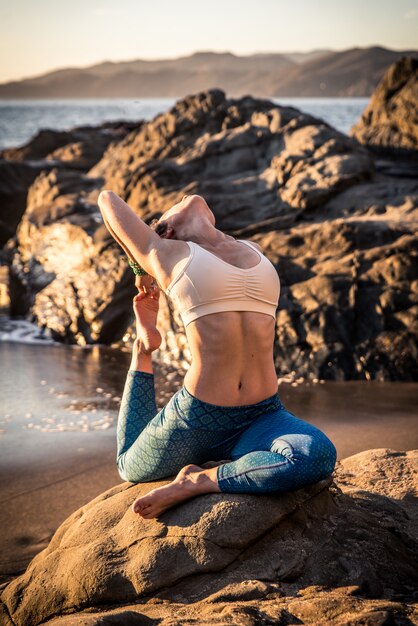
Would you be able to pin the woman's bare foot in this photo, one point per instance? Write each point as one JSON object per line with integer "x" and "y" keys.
{"x": 146, "y": 311}
{"x": 191, "y": 481}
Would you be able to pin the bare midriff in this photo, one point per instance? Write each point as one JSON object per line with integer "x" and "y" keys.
{"x": 231, "y": 351}
{"x": 232, "y": 358}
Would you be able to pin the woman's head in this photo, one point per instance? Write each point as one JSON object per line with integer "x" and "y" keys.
{"x": 185, "y": 220}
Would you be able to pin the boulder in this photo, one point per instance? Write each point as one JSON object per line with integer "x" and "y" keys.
{"x": 250, "y": 158}
{"x": 390, "y": 120}
{"x": 15, "y": 180}
{"x": 347, "y": 302}
{"x": 79, "y": 147}
{"x": 68, "y": 266}
{"x": 343, "y": 548}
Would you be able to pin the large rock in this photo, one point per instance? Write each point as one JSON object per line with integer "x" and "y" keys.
{"x": 250, "y": 158}
{"x": 15, "y": 180}
{"x": 390, "y": 120}
{"x": 68, "y": 266}
{"x": 349, "y": 300}
{"x": 328, "y": 553}
{"x": 225, "y": 147}
{"x": 78, "y": 148}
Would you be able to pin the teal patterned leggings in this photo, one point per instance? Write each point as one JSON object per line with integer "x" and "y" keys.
{"x": 271, "y": 450}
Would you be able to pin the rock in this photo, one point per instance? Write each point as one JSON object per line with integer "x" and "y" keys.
{"x": 88, "y": 143}
{"x": 44, "y": 142}
{"x": 322, "y": 554}
{"x": 66, "y": 272}
{"x": 390, "y": 120}
{"x": 252, "y": 159}
{"x": 15, "y": 180}
{"x": 342, "y": 298}
{"x": 79, "y": 147}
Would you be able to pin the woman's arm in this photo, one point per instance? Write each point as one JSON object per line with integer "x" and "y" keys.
{"x": 132, "y": 234}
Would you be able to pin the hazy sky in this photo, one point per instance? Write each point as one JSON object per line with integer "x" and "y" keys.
{"x": 41, "y": 35}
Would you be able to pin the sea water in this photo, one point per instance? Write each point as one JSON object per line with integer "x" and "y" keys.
{"x": 22, "y": 119}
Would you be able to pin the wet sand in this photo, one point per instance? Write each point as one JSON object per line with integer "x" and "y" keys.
{"x": 70, "y": 396}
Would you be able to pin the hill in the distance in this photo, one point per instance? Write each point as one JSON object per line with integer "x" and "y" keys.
{"x": 352, "y": 72}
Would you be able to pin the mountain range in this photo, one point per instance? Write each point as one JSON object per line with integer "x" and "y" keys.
{"x": 352, "y": 72}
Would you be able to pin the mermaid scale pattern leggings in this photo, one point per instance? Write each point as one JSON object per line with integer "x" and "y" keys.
{"x": 269, "y": 448}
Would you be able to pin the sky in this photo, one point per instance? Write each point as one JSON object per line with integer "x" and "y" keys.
{"x": 43, "y": 35}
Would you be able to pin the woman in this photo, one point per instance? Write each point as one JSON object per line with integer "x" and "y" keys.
{"x": 227, "y": 293}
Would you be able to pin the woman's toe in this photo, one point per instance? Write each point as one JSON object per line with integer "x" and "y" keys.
{"x": 141, "y": 504}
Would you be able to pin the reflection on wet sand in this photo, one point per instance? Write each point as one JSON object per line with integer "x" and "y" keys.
{"x": 57, "y": 388}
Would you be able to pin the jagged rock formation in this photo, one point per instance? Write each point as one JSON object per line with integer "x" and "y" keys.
{"x": 390, "y": 120}
{"x": 340, "y": 231}
{"x": 336, "y": 552}
{"x": 15, "y": 180}
{"x": 79, "y": 148}
{"x": 252, "y": 159}
{"x": 68, "y": 271}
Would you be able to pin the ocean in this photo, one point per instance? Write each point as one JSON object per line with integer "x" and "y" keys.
{"x": 22, "y": 119}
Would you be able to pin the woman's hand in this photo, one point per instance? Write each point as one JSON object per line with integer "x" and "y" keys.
{"x": 148, "y": 285}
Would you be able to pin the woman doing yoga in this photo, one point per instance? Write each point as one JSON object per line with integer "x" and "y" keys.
{"x": 228, "y": 408}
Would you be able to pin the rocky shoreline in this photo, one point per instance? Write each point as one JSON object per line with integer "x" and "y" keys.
{"x": 335, "y": 216}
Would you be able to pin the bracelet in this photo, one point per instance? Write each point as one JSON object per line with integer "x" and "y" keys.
{"x": 137, "y": 269}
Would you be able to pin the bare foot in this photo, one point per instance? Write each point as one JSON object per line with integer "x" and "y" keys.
{"x": 191, "y": 481}
{"x": 146, "y": 311}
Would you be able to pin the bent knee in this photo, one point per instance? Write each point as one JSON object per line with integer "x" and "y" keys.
{"x": 322, "y": 460}
{"x": 314, "y": 462}
{"x": 329, "y": 455}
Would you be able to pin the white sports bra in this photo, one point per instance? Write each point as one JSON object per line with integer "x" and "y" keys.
{"x": 207, "y": 284}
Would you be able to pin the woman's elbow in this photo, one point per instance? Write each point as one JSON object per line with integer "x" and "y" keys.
{"x": 104, "y": 198}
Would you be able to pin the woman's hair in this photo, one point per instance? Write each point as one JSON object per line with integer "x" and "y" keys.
{"x": 159, "y": 228}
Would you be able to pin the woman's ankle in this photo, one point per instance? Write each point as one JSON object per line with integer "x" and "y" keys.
{"x": 141, "y": 360}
